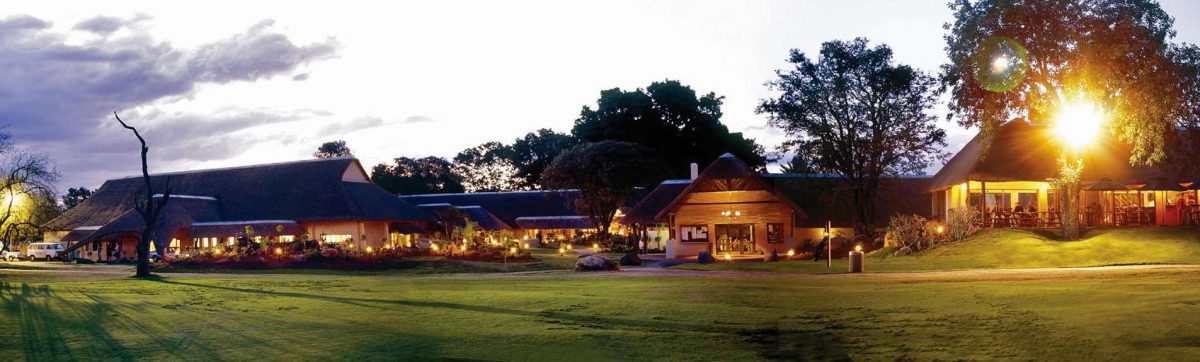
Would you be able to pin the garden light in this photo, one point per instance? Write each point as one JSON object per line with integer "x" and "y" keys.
{"x": 433, "y": 246}
{"x": 561, "y": 250}
{"x": 569, "y": 246}
{"x": 526, "y": 245}
{"x": 596, "y": 246}
{"x": 728, "y": 257}
{"x": 278, "y": 251}
{"x": 513, "y": 250}
{"x": 940, "y": 229}
{"x": 858, "y": 248}
{"x": 370, "y": 249}
{"x": 791, "y": 252}
{"x": 464, "y": 247}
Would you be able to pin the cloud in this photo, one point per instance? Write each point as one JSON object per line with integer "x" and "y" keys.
{"x": 418, "y": 119}
{"x": 58, "y": 96}
{"x": 300, "y": 77}
{"x": 337, "y": 128}
{"x": 102, "y": 25}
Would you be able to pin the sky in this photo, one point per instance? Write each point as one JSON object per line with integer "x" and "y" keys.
{"x": 227, "y": 83}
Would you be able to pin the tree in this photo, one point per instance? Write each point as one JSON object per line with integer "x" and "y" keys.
{"x": 76, "y": 196}
{"x": 414, "y": 176}
{"x": 26, "y": 193}
{"x": 333, "y": 149}
{"x": 148, "y": 208}
{"x": 532, "y": 153}
{"x": 1030, "y": 58}
{"x": 606, "y": 174}
{"x": 487, "y": 167}
{"x": 854, "y": 113}
{"x": 1183, "y": 150}
{"x": 670, "y": 119}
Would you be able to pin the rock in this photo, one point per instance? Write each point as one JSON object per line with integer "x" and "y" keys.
{"x": 773, "y": 256}
{"x": 84, "y": 261}
{"x": 902, "y": 251}
{"x": 704, "y": 257}
{"x": 595, "y": 263}
{"x": 631, "y": 259}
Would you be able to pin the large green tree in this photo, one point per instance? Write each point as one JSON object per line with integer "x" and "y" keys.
{"x": 75, "y": 196}
{"x": 855, "y": 113}
{"x": 1030, "y": 58}
{"x": 487, "y": 167}
{"x": 669, "y": 118}
{"x": 533, "y": 152}
{"x": 606, "y": 174}
{"x": 333, "y": 149}
{"x": 414, "y": 176}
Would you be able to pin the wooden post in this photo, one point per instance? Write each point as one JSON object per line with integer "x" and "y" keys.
{"x": 983, "y": 209}
{"x": 828, "y": 244}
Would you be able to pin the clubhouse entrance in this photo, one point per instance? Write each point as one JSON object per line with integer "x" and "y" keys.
{"x": 736, "y": 239}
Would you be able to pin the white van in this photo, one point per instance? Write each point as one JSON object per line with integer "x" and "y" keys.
{"x": 44, "y": 251}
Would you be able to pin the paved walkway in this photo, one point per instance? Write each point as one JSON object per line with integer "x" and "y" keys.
{"x": 652, "y": 271}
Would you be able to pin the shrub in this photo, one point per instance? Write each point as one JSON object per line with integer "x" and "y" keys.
{"x": 908, "y": 231}
{"x": 960, "y": 223}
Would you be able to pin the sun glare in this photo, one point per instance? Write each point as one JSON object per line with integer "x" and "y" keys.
{"x": 1000, "y": 64}
{"x": 1078, "y": 123}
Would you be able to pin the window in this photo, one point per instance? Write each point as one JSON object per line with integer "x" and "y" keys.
{"x": 774, "y": 233}
{"x": 287, "y": 238}
{"x": 337, "y": 238}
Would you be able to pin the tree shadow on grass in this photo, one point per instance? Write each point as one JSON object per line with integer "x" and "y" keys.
{"x": 45, "y": 331}
{"x": 772, "y": 343}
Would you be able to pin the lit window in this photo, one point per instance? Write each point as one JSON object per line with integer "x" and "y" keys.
{"x": 337, "y": 238}
{"x": 287, "y": 238}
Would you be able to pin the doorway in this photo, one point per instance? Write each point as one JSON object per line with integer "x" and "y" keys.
{"x": 737, "y": 239}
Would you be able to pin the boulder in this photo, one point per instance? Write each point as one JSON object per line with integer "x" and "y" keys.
{"x": 704, "y": 257}
{"x": 902, "y": 251}
{"x": 84, "y": 261}
{"x": 595, "y": 263}
{"x": 631, "y": 259}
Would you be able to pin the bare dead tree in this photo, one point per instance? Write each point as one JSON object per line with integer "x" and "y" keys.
{"x": 148, "y": 208}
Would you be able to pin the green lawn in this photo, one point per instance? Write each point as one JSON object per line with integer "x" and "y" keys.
{"x": 1143, "y": 315}
{"x": 1014, "y": 248}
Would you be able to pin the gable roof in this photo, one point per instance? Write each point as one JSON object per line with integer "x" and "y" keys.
{"x": 1020, "y": 151}
{"x": 729, "y": 173}
{"x": 646, "y": 211}
{"x": 308, "y": 190}
{"x": 507, "y": 206}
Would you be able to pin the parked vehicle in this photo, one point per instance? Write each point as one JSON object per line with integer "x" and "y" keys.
{"x": 11, "y": 256}
{"x": 44, "y": 251}
{"x": 154, "y": 257}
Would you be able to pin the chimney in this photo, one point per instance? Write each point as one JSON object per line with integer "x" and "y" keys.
{"x": 695, "y": 171}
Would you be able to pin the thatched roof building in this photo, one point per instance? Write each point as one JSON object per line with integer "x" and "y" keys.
{"x": 528, "y": 210}
{"x": 222, "y": 202}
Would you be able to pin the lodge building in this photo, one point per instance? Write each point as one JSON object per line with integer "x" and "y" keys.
{"x": 1008, "y": 181}
{"x": 332, "y": 200}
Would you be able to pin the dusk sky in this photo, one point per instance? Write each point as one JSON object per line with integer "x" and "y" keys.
{"x": 232, "y": 82}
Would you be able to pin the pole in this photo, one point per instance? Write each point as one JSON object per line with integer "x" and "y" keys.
{"x": 828, "y": 245}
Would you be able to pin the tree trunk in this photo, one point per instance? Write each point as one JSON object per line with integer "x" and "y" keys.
{"x": 143, "y": 252}
{"x": 1070, "y": 211}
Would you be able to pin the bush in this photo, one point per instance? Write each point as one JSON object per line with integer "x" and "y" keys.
{"x": 960, "y": 223}
{"x": 907, "y": 231}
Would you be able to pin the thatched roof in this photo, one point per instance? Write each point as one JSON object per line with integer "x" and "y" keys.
{"x": 1161, "y": 184}
{"x": 827, "y": 198}
{"x": 1020, "y": 151}
{"x": 303, "y": 191}
{"x": 475, "y": 213}
{"x": 646, "y": 211}
{"x": 1105, "y": 185}
{"x": 729, "y": 173}
{"x": 555, "y": 222}
{"x": 510, "y": 205}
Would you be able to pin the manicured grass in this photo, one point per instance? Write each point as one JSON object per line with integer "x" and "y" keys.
{"x": 548, "y": 260}
{"x": 1117, "y": 315}
{"x": 1015, "y": 248}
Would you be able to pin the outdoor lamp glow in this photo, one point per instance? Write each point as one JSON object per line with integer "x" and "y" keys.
{"x": 370, "y": 250}
{"x": 569, "y": 246}
{"x": 595, "y": 245}
{"x": 526, "y": 245}
{"x": 858, "y": 247}
{"x": 278, "y": 251}
{"x": 1078, "y": 123}
{"x": 791, "y": 252}
{"x": 433, "y": 246}
{"x": 940, "y": 229}
{"x": 464, "y": 247}
{"x": 513, "y": 250}
{"x": 728, "y": 257}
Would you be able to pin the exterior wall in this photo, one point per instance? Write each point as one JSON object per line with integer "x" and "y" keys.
{"x": 376, "y": 232}
{"x": 103, "y": 250}
{"x": 54, "y": 236}
{"x": 758, "y": 208}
